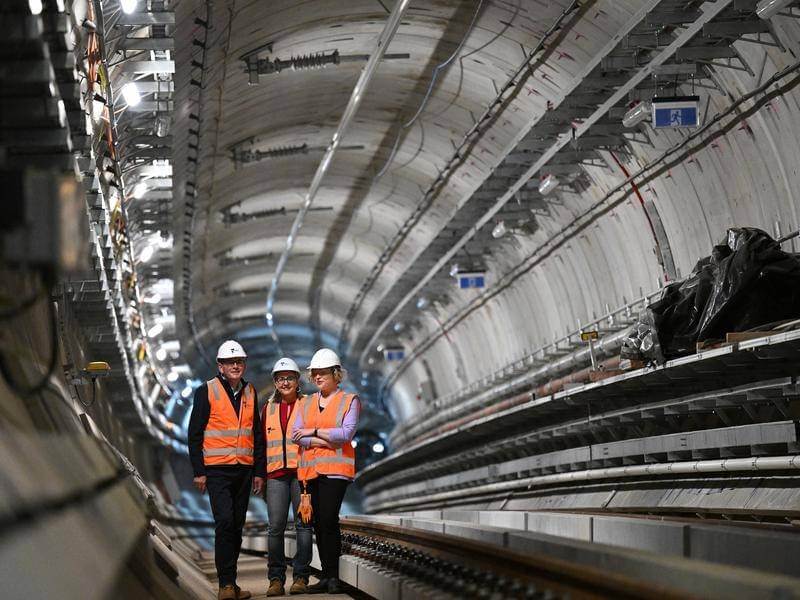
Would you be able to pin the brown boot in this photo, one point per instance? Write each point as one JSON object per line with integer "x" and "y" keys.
{"x": 227, "y": 592}
{"x": 242, "y": 594}
{"x": 275, "y": 588}
{"x": 299, "y": 586}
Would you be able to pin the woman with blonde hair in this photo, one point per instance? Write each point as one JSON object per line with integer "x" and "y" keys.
{"x": 324, "y": 429}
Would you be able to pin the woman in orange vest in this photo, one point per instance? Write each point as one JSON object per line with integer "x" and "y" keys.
{"x": 282, "y": 483}
{"x": 324, "y": 430}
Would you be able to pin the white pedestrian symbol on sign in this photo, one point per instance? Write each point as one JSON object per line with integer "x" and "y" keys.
{"x": 676, "y": 116}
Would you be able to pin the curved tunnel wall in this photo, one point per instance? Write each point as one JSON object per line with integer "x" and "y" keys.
{"x": 747, "y": 176}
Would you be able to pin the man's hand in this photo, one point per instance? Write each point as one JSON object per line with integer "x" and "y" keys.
{"x": 200, "y": 483}
{"x": 258, "y": 485}
{"x": 301, "y": 433}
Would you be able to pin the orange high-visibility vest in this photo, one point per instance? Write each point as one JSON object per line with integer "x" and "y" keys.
{"x": 228, "y": 439}
{"x": 282, "y": 451}
{"x": 325, "y": 461}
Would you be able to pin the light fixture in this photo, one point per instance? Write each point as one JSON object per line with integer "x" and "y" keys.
{"x": 162, "y": 126}
{"x": 422, "y": 303}
{"x": 547, "y": 184}
{"x": 498, "y": 231}
{"x": 379, "y": 348}
{"x": 130, "y": 93}
{"x": 153, "y": 298}
{"x": 354, "y": 443}
{"x": 155, "y": 330}
{"x": 636, "y": 114}
{"x": 139, "y": 190}
{"x": 161, "y": 354}
{"x": 766, "y": 9}
{"x": 172, "y": 376}
{"x": 128, "y": 6}
{"x": 35, "y": 6}
{"x": 187, "y": 391}
{"x": 378, "y": 447}
{"x": 454, "y": 270}
{"x": 398, "y": 327}
{"x": 146, "y": 254}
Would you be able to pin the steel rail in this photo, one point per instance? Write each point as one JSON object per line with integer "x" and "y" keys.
{"x": 359, "y": 91}
{"x": 421, "y": 551}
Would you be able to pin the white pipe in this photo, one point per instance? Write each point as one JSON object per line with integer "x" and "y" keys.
{"x": 726, "y": 465}
{"x": 350, "y": 110}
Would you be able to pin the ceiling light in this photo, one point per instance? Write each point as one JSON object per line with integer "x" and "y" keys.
{"x": 172, "y": 376}
{"x": 162, "y": 126}
{"x": 398, "y": 327}
{"x": 35, "y": 6}
{"x": 146, "y": 254}
{"x": 378, "y": 447}
{"x": 454, "y": 270}
{"x": 498, "y": 231}
{"x": 155, "y": 330}
{"x": 139, "y": 190}
{"x": 131, "y": 94}
{"x": 422, "y": 303}
{"x": 153, "y": 298}
{"x": 128, "y": 6}
{"x": 547, "y": 184}
{"x": 766, "y": 9}
{"x": 636, "y": 114}
{"x": 161, "y": 354}
{"x": 187, "y": 391}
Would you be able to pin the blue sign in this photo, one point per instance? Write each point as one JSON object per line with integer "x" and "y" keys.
{"x": 676, "y": 112}
{"x": 394, "y": 354}
{"x": 471, "y": 280}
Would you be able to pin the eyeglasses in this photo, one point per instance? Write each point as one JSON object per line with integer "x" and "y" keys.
{"x": 321, "y": 372}
{"x": 286, "y": 379}
{"x": 232, "y": 361}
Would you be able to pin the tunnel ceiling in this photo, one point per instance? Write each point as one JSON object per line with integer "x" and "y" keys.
{"x": 473, "y": 103}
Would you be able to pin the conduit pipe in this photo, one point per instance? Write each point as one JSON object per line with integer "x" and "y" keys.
{"x": 360, "y": 89}
{"x": 607, "y": 346}
{"x": 692, "y": 467}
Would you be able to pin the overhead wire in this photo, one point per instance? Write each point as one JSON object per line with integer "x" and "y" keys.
{"x": 428, "y": 92}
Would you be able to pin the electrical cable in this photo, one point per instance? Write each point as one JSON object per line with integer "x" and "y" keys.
{"x": 6, "y": 370}
{"x": 33, "y": 512}
{"x": 427, "y": 96}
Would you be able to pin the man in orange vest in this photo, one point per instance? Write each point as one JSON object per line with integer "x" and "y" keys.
{"x": 282, "y": 484}
{"x": 226, "y": 448}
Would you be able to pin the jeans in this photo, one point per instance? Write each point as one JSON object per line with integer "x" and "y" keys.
{"x": 229, "y": 492}
{"x": 326, "y": 501}
{"x": 279, "y": 492}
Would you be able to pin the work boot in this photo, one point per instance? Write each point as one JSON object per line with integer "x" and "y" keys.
{"x": 242, "y": 594}
{"x": 275, "y": 588}
{"x": 321, "y": 587}
{"x": 335, "y": 586}
{"x": 227, "y": 592}
{"x": 299, "y": 586}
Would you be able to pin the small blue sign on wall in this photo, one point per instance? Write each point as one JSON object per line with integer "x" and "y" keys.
{"x": 471, "y": 280}
{"x": 681, "y": 111}
{"x": 391, "y": 354}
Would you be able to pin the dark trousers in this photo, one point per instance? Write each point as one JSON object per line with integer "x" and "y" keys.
{"x": 326, "y": 501}
{"x": 229, "y": 492}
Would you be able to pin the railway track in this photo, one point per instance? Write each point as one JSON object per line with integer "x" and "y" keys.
{"x": 394, "y": 560}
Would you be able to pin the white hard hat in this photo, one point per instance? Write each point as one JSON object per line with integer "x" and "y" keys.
{"x": 231, "y": 349}
{"x": 324, "y": 358}
{"x": 285, "y": 364}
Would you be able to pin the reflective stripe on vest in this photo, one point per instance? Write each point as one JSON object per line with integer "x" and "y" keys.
{"x": 228, "y": 438}
{"x": 282, "y": 452}
{"x": 326, "y": 461}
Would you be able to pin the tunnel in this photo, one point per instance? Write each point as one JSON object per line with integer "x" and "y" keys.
{"x": 553, "y": 244}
